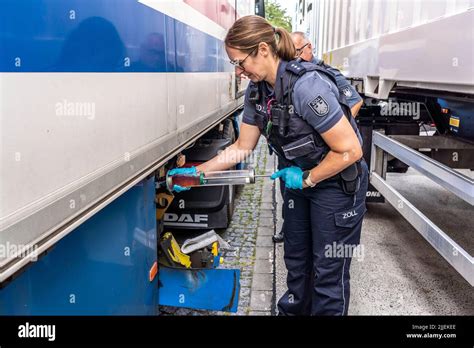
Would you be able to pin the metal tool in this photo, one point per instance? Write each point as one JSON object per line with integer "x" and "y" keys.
{"x": 215, "y": 178}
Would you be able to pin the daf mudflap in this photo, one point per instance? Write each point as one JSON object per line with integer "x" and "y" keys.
{"x": 189, "y": 248}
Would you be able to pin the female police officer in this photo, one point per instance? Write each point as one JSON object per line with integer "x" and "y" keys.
{"x": 299, "y": 110}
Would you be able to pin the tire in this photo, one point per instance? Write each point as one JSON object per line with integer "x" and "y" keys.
{"x": 229, "y": 133}
{"x": 226, "y": 133}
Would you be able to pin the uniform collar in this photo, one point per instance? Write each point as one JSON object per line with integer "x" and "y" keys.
{"x": 280, "y": 71}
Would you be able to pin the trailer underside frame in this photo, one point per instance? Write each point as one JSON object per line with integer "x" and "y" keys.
{"x": 457, "y": 183}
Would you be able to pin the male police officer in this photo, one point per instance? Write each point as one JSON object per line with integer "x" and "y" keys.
{"x": 304, "y": 50}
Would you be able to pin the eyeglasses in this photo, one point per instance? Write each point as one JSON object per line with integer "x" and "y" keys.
{"x": 300, "y": 50}
{"x": 239, "y": 63}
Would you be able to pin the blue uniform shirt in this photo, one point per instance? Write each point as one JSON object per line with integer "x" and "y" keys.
{"x": 343, "y": 84}
{"x": 314, "y": 98}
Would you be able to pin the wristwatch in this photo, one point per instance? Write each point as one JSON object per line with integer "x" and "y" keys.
{"x": 307, "y": 179}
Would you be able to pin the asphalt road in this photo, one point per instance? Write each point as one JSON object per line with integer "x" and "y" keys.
{"x": 399, "y": 272}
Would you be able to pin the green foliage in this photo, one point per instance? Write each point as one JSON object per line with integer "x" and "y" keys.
{"x": 276, "y": 15}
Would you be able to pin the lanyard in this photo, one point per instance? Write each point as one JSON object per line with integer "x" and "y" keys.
{"x": 269, "y": 115}
{"x": 269, "y": 107}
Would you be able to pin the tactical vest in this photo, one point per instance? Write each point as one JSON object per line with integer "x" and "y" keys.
{"x": 293, "y": 139}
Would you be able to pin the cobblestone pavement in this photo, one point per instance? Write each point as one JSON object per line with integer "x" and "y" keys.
{"x": 250, "y": 236}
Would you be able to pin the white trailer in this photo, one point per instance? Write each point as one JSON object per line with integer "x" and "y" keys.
{"x": 413, "y": 62}
{"x": 95, "y": 97}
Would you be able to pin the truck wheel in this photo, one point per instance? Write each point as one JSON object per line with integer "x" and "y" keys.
{"x": 229, "y": 133}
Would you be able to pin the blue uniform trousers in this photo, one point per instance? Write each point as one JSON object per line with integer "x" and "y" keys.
{"x": 322, "y": 227}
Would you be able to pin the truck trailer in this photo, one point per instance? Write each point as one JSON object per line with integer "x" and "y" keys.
{"x": 413, "y": 64}
{"x": 98, "y": 100}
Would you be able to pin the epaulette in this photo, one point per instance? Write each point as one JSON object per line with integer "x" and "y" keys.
{"x": 296, "y": 68}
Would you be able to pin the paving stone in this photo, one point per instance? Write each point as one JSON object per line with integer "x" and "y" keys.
{"x": 264, "y": 241}
{"x": 245, "y": 282}
{"x": 267, "y": 196}
{"x": 245, "y": 290}
{"x": 264, "y": 253}
{"x": 265, "y": 231}
{"x": 266, "y": 214}
{"x": 266, "y": 206}
{"x": 265, "y": 222}
{"x": 262, "y": 281}
{"x": 263, "y": 266}
{"x": 261, "y": 300}
{"x": 249, "y": 268}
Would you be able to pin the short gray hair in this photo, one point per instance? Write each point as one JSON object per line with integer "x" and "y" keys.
{"x": 300, "y": 34}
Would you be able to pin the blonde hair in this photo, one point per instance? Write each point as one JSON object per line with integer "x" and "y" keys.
{"x": 247, "y": 32}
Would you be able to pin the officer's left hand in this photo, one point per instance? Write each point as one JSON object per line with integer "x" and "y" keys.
{"x": 293, "y": 177}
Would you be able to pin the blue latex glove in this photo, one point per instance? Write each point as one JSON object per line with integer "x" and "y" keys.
{"x": 178, "y": 188}
{"x": 293, "y": 177}
{"x": 182, "y": 171}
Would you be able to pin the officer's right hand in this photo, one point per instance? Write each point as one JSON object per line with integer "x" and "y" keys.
{"x": 178, "y": 188}
{"x": 182, "y": 171}
{"x": 293, "y": 177}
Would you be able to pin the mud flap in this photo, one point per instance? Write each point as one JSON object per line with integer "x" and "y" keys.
{"x": 206, "y": 289}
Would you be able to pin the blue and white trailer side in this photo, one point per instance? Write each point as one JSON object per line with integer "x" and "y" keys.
{"x": 96, "y": 96}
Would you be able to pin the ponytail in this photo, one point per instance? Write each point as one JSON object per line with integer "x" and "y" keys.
{"x": 285, "y": 47}
{"x": 247, "y": 32}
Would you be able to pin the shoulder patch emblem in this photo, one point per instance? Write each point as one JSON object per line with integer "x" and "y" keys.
{"x": 319, "y": 106}
{"x": 347, "y": 91}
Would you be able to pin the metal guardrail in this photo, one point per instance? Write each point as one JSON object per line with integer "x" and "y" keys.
{"x": 454, "y": 181}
